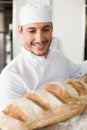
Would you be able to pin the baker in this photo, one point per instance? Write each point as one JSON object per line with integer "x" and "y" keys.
{"x": 37, "y": 62}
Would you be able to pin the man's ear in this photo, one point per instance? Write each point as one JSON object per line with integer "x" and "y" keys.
{"x": 20, "y": 29}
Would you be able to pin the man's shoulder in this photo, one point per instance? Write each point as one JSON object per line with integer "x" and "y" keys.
{"x": 12, "y": 65}
{"x": 58, "y": 55}
{"x": 56, "y": 52}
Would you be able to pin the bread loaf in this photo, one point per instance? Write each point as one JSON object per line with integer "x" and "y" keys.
{"x": 51, "y": 104}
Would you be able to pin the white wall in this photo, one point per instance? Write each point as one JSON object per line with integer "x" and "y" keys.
{"x": 69, "y": 26}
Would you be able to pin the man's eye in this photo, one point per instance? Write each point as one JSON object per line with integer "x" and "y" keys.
{"x": 32, "y": 31}
{"x": 46, "y": 30}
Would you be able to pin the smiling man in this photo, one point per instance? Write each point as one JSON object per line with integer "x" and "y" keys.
{"x": 36, "y": 64}
{"x": 37, "y": 37}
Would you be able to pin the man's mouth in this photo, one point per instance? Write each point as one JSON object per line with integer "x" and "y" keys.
{"x": 40, "y": 46}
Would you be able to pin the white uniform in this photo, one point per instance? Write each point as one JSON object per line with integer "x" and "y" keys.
{"x": 28, "y": 72}
{"x": 83, "y": 67}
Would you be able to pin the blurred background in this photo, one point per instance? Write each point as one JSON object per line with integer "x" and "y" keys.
{"x": 6, "y": 44}
{"x": 9, "y": 10}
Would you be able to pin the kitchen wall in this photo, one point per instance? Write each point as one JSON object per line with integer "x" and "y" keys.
{"x": 69, "y": 26}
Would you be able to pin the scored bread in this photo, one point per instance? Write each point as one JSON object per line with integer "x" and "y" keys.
{"x": 51, "y": 104}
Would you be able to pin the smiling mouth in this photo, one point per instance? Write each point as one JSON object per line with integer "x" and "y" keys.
{"x": 40, "y": 46}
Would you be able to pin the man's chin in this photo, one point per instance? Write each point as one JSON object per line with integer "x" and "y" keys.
{"x": 40, "y": 54}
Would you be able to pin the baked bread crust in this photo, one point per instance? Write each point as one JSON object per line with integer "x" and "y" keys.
{"x": 51, "y": 104}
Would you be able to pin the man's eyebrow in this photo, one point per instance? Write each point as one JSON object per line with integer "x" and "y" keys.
{"x": 47, "y": 26}
{"x": 30, "y": 28}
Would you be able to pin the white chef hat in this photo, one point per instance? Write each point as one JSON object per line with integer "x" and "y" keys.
{"x": 34, "y": 13}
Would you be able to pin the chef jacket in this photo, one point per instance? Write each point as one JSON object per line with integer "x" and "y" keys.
{"x": 28, "y": 72}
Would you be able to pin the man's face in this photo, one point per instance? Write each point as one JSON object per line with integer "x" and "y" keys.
{"x": 37, "y": 37}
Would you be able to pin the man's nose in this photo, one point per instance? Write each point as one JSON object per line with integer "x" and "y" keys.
{"x": 39, "y": 37}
